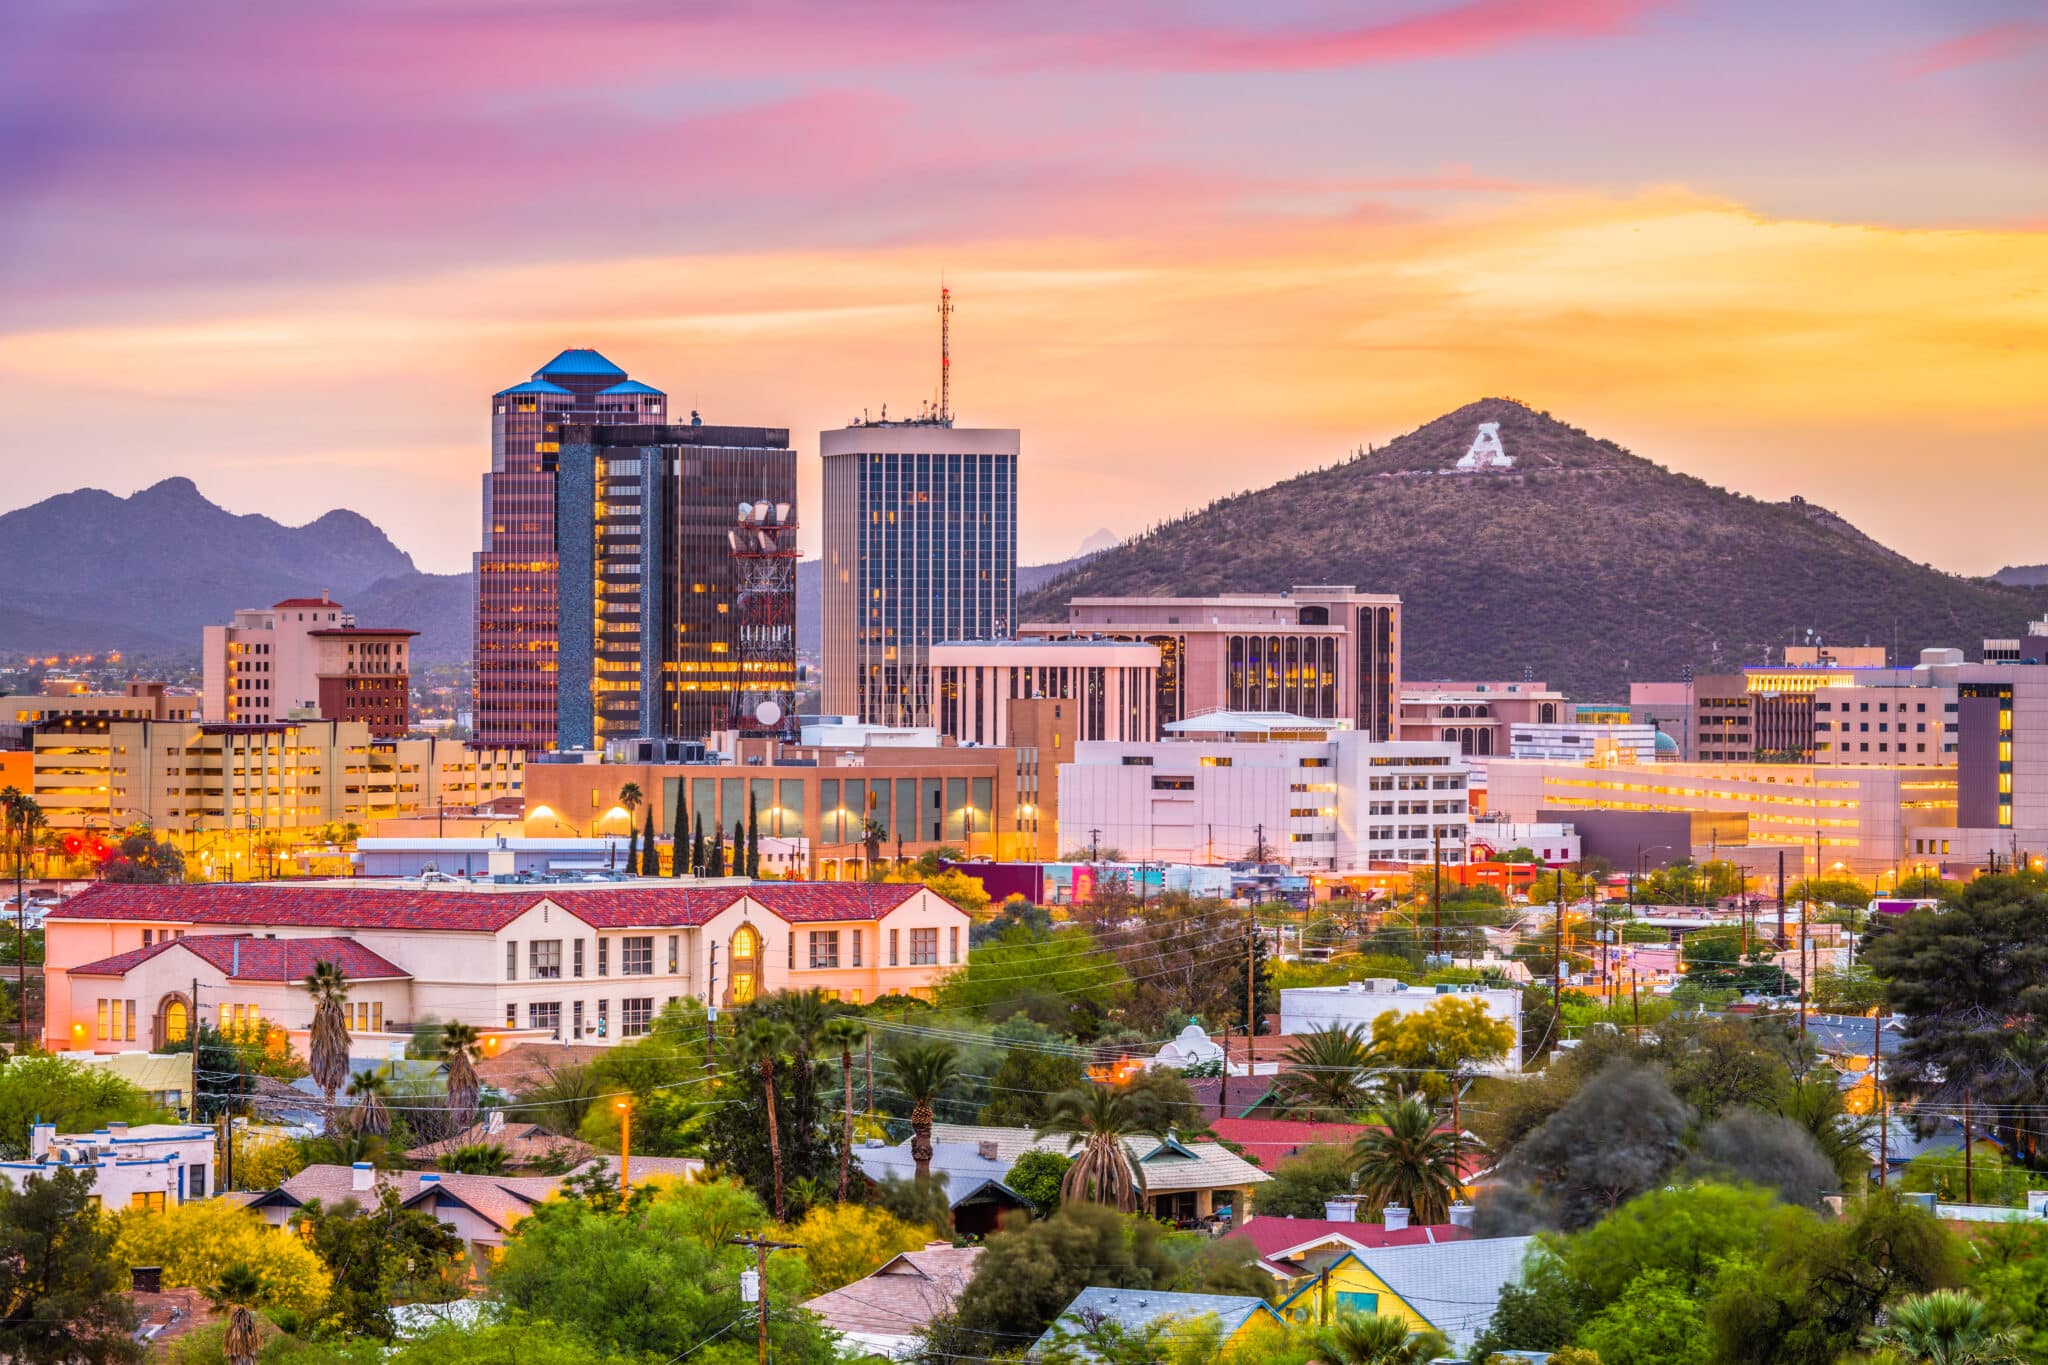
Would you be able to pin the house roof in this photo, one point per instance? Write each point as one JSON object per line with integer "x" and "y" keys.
{"x": 1136, "y": 1309}
{"x": 514, "y": 1069}
{"x": 1271, "y": 1141}
{"x": 307, "y": 603}
{"x": 969, "y": 1176}
{"x": 500, "y": 1200}
{"x": 1455, "y": 1285}
{"x": 904, "y": 1295}
{"x": 1282, "y": 1238}
{"x": 481, "y": 910}
{"x": 523, "y": 1143}
{"x": 1163, "y": 1165}
{"x": 240, "y": 957}
{"x": 380, "y": 632}
{"x": 1230, "y": 1096}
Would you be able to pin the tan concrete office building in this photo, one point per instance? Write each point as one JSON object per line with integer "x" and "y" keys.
{"x": 1111, "y": 683}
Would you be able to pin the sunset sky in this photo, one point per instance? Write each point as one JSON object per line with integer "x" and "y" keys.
{"x": 290, "y": 249}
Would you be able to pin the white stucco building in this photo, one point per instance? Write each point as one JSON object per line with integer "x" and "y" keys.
{"x": 1318, "y": 795}
{"x": 587, "y": 963}
{"x": 152, "y": 1166}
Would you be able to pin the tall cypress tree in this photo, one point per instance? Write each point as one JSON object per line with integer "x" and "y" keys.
{"x": 697, "y": 864}
{"x": 739, "y": 848}
{"x": 753, "y": 836}
{"x": 716, "y": 867}
{"x": 678, "y": 840}
{"x": 650, "y": 851}
{"x": 632, "y": 849}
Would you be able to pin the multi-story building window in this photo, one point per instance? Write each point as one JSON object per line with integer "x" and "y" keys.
{"x": 856, "y": 936}
{"x": 636, "y": 956}
{"x": 604, "y": 1018}
{"x": 953, "y": 943}
{"x": 636, "y": 1012}
{"x": 924, "y": 947}
{"x": 544, "y": 959}
{"x": 824, "y": 948}
{"x": 892, "y": 947}
{"x": 366, "y": 1016}
{"x": 511, "y": 960}
{"x": 603, "y": 956}
{"x": 576, "y": 1019}
{"x": 545, "y": 1014}
{"x": 578, "y": 969}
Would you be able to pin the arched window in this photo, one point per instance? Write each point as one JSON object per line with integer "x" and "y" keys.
{"x": 1451, "y": 736}
{"x": 175, "y": 1023}
{"x": 745, "y": 958}
{"x": 1547, "y": 713}
{"x": 1486, "y": 742}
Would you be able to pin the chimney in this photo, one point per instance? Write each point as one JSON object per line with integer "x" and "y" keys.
{"x": 40, "y": 1139}
{"x": 361, "y": 1176}
{"x": 1396, "y": 1217}
{"x": 1461, "y": 1214}
{"x": 987, "y": 1150}
{"x": 1340, "y": 1211}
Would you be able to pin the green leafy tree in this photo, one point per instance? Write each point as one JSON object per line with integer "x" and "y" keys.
{"x": 656, "y": 1279}
{"x": 475, "y": 1158}
{"x": 1618, "y": 1136}
{"x": 1028, "y": 1274}
{"x": 1005, "y": 976}
{"x": 1038, "y": 1175}
{"x": 1022, "y": 1089}
{"x": 1379, "y": 1339}
{"x": 77, "y": 1098}
{"x": 378, "y": 1255}
{"x": 1990, "y": 1178}
{"x": 62, "y": 1299}
{"x": 650, "y": 851}
{"x": 1303, "y": 1183}
{"x": 143, "y": 858}
{"x": 1429, "y": 1046}
{"x": 1407, "y": 1159}
{"x": 1683, "y": 1235}
{"x": 1654, "y": 1322}
{"x": 2009, "y": 1271}
{"x": 1840, "y": 892}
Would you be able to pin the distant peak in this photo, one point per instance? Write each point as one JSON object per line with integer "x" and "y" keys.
{"x": 176, "y": 487}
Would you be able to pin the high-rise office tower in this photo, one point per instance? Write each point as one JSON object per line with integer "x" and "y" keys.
{"x": 920, "y": 521}
{"x": 650, "y": 585}
{"x": 515, "y": 656}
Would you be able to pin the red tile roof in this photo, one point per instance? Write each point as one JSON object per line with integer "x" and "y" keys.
{"x": 1271, "y": 1236}
{"x": 304, "y": 602}
{"x": 380, "y": 631}
{"x": 243, "y": 958}
{"x": 1272, "y": 1141}
{"x": 479, "y": 911}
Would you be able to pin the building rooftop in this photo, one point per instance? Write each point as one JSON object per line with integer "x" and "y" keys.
{"x": 631, "y": 386}
{"x": 901, "y": 1297}
{"x": 579, "y": 362}
{"x": 532, "y": 386}
{"x": 1137, "y": 1309}
{"x": 1281, "y": 1238}
{"x": 293, "y": 603}
{"x": 1456, "y": 1285}
{"x": 380, "y": 631}
{"x": 476, "y": 908}
{"x": 243, "y": 958}
{"x": 1248, "y": 722}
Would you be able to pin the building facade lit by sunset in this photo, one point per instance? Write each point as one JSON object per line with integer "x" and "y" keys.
{"x": 516, "y": 571}
{"x": 920, "y": 547}
{"x": 303, "y": 657}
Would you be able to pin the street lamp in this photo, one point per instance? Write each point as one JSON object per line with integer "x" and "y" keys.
{"x": 625, "y": 1108}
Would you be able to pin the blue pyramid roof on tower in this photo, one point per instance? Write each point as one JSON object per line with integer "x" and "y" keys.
{"x": 579, "y": 363}
{"x": 632, "y": 386}
{"x": 531, "y": 386}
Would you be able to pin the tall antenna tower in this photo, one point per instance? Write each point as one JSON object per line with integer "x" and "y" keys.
{"x": 763, "y": 544}
{"x": 945, "y": 356}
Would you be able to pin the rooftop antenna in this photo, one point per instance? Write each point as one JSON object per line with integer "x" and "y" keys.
{"x": 945, "y": 355}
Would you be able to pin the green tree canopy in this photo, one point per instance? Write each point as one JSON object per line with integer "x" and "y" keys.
{"x": 78, "y": 1098}
{"x": 62, "y": 1299}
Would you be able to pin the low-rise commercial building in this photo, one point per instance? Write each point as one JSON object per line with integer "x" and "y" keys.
{"x": 140, "y": 1166}
{"x": 1110, "y": 685}
{"x": 304, "y": 657}
{"x": 1270, "y": 787}
{"x": 582, "y": 963}
{"x": 1476, "y": 716}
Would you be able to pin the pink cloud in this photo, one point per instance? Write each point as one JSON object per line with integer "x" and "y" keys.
{"x": 1985, "y": 45}
{"x": 1462, "y": 30}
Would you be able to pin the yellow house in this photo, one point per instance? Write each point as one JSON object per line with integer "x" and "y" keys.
{"x": 1452, "y": 1287}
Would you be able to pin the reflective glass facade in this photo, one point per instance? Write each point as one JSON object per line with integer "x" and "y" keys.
{"x": 516, "y": 623}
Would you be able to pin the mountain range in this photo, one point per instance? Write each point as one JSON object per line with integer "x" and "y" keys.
{"x": 90, "y": 571}
{"x": 1582, "y": 564}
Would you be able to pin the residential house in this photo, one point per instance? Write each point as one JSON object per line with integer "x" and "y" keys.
{"x": 1294, "y": 1250}
{"x": 1452, "y": 1286}
{"x": 1183, "y": 1182}
{"x": 975, "y": 1178}
{"x": 884, "y": 1312}
{"x": 1268, "y": 1142}
{"x": 524, "y": 1144}
{"x": 133, "y": 1166}
{"x": 1239, "y": 1319}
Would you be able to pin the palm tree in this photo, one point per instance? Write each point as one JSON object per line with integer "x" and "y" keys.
{"x": 1322, "y": 1074}
{"x": 1408, "y": 1160}
{"x": 923, "y": 1072}
{"x": 475, "y": 1158}
{"x": 762, "y": 1046}
{"x": 459, "y": 1047}
{"x": 630, "y": 797}
{"x": 23, "y": 817}
{"x": 1378, "y": 1339}
{"x": 238, "y": 1289}
{"x": 845, "y": 1033}
{"x": 369, "y": 1114}
{"x": 1101, "y": 1116}
{"x": 1947, "y": 1327}
{"x": 327, "y": 1052}
{"x": 872, "y": 832}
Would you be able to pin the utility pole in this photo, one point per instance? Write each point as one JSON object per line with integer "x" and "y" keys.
{"x": 1969, "y": 1165}
{"x": 1781, "y": 898}
{"x": 1094, "y": 846}
{"x": 1557, "y": 956}
{"x": 1251, "y": 996}
{"x": 1436, "y": 891}
{"x": 762, "y": 1246}
{"x": 871, "y": 1074}
{"x": 192, "y": 1037}
{"x": 1884, "y": 1122}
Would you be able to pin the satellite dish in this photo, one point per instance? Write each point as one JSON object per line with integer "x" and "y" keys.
{"x": 768, "y": 712}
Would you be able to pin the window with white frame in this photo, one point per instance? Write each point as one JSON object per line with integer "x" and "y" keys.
{"x": 924, "y": 947}
{"x": 635, "y": 1014}
{"x": 544, "y": 959}
{"x": 636, "y": 956}
{"x": 824, "y": 948}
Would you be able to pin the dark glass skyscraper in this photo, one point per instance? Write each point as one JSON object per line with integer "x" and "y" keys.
{"x": 649, "y": 621}
{"x": 920, "y": 548}
{"x": 515, "y": 654}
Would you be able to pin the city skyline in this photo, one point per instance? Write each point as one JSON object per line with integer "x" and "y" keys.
{"x": 1191, "y": 254}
